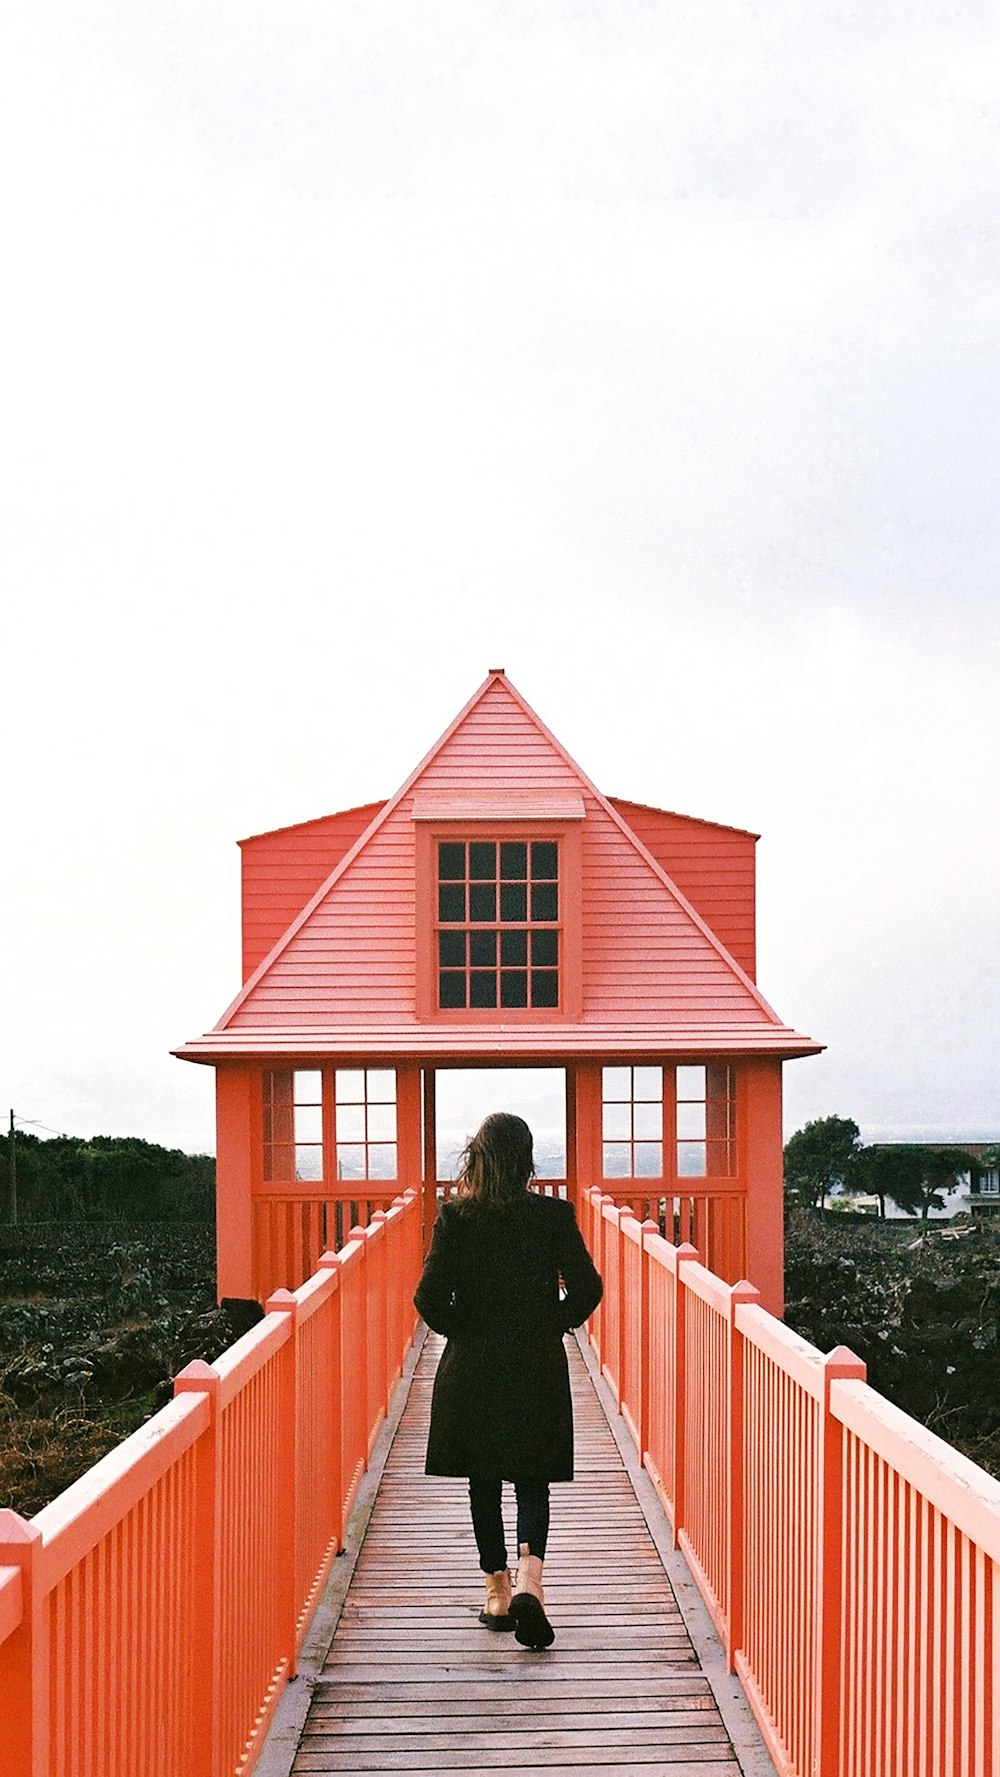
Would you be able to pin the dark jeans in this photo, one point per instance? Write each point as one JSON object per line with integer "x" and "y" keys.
{"x": 487, "y": 1519}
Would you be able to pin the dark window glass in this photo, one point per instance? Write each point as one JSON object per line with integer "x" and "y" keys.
{"x": 452, "y": 989}
{"x": 473, "y": 969}
{"x": 451, "y": 862}
{"x": 544, "y": 987}
{"x": 544, "y": 860}
{"x": 513, "y": 987}
{"x": 545, "y": 949}
{"x": 451, "y": 902}
{"x": 513, "y": 901}
{"x": 482, "y": 862}
{"x": 484, "y": 987}
{"x": 545, "y": 900}
{"x": 483, "y": 950}
{"x": 482, "y": 901}
{"x": 514, "y": 862}
{"x": 451, "y": 950}
{"x": 514, "y": 949}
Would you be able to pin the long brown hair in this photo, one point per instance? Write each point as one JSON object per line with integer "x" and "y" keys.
{"x": 497, "y": 1162}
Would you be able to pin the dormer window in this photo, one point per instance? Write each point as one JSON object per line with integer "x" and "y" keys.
{"x": 498, "y": 905}
{"x": 497, "y": 931}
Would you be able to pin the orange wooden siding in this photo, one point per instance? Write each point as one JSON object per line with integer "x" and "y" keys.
{"x": 714, "y": 867}
{"x": 282, "y": 870}
{"x": 649, "y": 966}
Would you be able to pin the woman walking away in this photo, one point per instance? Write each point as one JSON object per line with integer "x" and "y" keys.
{"x": 501, "y": 1408}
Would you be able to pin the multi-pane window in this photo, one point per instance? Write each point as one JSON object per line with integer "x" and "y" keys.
{"x": 365, "y": 1118}
{"x": 293, "y": 1124}
{"x": 706, "y": 1122}
{"x": 632, "y": 1122}
{"x": 498, "y": 931}
{"x": 364, "y": 1114}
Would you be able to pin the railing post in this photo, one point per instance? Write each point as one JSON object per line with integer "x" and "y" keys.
{"x": 642, "y": 1422}
{"x": 622, "y": 1336}
{"x": 597, "y": 1254}
{"x": 25, "y": 1656}
{"x": 380, "y": 1284}
{"x": 397, "y": 1272}
{"x": 602, "y": 1266}
{"x": 838, "y": 1364}
{"x": 205, "y": 1630}
{"x": 685, "y": 1253}
{"x": 360, "y": 1358}
{"x": 331, "y": 1262}
{"x": 742, "y": 1292}
{"x": 411, "y": 1263}
{"x": 287, "y": 1528}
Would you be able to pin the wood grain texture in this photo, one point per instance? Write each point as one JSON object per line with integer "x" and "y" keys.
{"x": 414, "y": 1683}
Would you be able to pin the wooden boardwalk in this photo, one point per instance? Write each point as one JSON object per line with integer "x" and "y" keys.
{"x": 412, "y": 1681}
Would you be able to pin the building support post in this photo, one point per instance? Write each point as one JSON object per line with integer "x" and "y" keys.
{"x": 239, "y": 1140}
{"x": 429, "y": 1194}
{"x": 762, "y": 1167}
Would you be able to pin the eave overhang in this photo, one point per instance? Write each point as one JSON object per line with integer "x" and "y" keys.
{"x": 514, "y": 1044}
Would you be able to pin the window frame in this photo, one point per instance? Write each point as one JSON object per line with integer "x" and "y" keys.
{"x": 566, "y": 834}
{"x": 328, "y": 1184}
{"x": 670, "y": 1180}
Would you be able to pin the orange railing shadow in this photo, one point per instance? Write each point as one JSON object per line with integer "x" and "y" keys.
{"x": 151, "y": 1615}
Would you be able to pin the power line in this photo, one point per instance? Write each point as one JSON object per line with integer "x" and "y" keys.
{"x": 34, "y": 1124}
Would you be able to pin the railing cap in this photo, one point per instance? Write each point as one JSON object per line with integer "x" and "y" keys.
{"x": 842, "y": 1362}
{"x": 197, "y": 1376}
{"x": 15, "y": 1530}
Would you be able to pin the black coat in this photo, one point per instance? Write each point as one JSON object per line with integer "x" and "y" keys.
{"x": 501, "y": 1403}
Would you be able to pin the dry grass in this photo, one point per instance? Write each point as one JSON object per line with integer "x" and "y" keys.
{"x": 43, "y": 1448}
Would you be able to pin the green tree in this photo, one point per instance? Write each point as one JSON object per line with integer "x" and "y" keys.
{"x": 105, "y": 1178}
{"x": 910, "y": 1174}
{"x": 822, "y": 1157}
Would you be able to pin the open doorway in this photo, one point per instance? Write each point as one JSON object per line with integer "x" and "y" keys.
{"x": 465, "y": 1095}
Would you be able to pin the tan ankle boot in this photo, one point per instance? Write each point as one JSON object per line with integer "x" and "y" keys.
{"x": 496, "y": 1611}
{"x": 527, "y": 1606}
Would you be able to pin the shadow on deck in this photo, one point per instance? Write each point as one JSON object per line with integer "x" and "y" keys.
{"x": 410, "y": 1681}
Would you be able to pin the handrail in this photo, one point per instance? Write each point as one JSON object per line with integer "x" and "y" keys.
{"x": 849, "y": 1558}
{"x": 152, "y": 1613}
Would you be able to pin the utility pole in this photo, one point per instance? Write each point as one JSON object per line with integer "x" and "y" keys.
{"x": 13, "y": 1175}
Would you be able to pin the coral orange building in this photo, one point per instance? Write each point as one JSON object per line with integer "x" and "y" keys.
{"x": 497, "y": 911}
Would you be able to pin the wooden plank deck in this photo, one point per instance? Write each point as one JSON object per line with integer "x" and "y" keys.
{"x": 413, "y": 1682}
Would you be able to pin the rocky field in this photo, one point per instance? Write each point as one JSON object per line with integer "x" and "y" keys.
{"x": 920, "y": 1304}
{"x": 95, "y": 1320}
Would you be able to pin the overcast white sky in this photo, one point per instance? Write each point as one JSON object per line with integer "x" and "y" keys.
{"x": 651, "y": 351}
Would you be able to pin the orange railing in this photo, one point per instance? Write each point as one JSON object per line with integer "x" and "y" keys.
{"x": 150, "y": 1616}
{"x": 849, "y": 1558}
